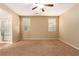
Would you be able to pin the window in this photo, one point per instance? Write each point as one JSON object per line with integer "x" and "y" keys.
{"x": 5, "y": 29}
{"x": 26, "y": 24}
{"x": 51, "y": 24}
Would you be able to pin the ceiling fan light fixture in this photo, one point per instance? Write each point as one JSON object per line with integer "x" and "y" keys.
{"x": 39, "y": 8}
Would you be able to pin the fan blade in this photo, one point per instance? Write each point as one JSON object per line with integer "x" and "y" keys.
{"x": 43, "y": 10}
{"x": 34, "y": 8}
{"x": 49, "y": 5}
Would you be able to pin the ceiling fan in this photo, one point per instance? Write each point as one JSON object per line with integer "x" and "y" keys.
{"x": 41, "y": 6}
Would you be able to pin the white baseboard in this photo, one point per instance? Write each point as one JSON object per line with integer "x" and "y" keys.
{"x": 40, "y": 39}
{"x": 70, "y": 44}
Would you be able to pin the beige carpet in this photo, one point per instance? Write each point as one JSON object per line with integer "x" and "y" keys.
{"x": 39, "y": 48}
{"x": 2, "y": 45}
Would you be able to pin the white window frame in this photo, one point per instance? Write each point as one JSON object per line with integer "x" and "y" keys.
{"x": 26, "y": 24}
{"x": 52, "y": 24}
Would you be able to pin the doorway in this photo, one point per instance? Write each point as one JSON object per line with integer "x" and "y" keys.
{"x": 5, "y": 30}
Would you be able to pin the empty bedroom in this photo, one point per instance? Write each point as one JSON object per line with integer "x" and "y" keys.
{"x": 39, "y": 29}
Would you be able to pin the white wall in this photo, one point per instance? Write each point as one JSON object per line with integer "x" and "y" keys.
{"x": 16, "y": 28}
{"x": 69, "y": 26}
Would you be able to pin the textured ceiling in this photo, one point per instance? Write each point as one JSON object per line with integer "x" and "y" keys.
{"x": 23, "y": 9}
